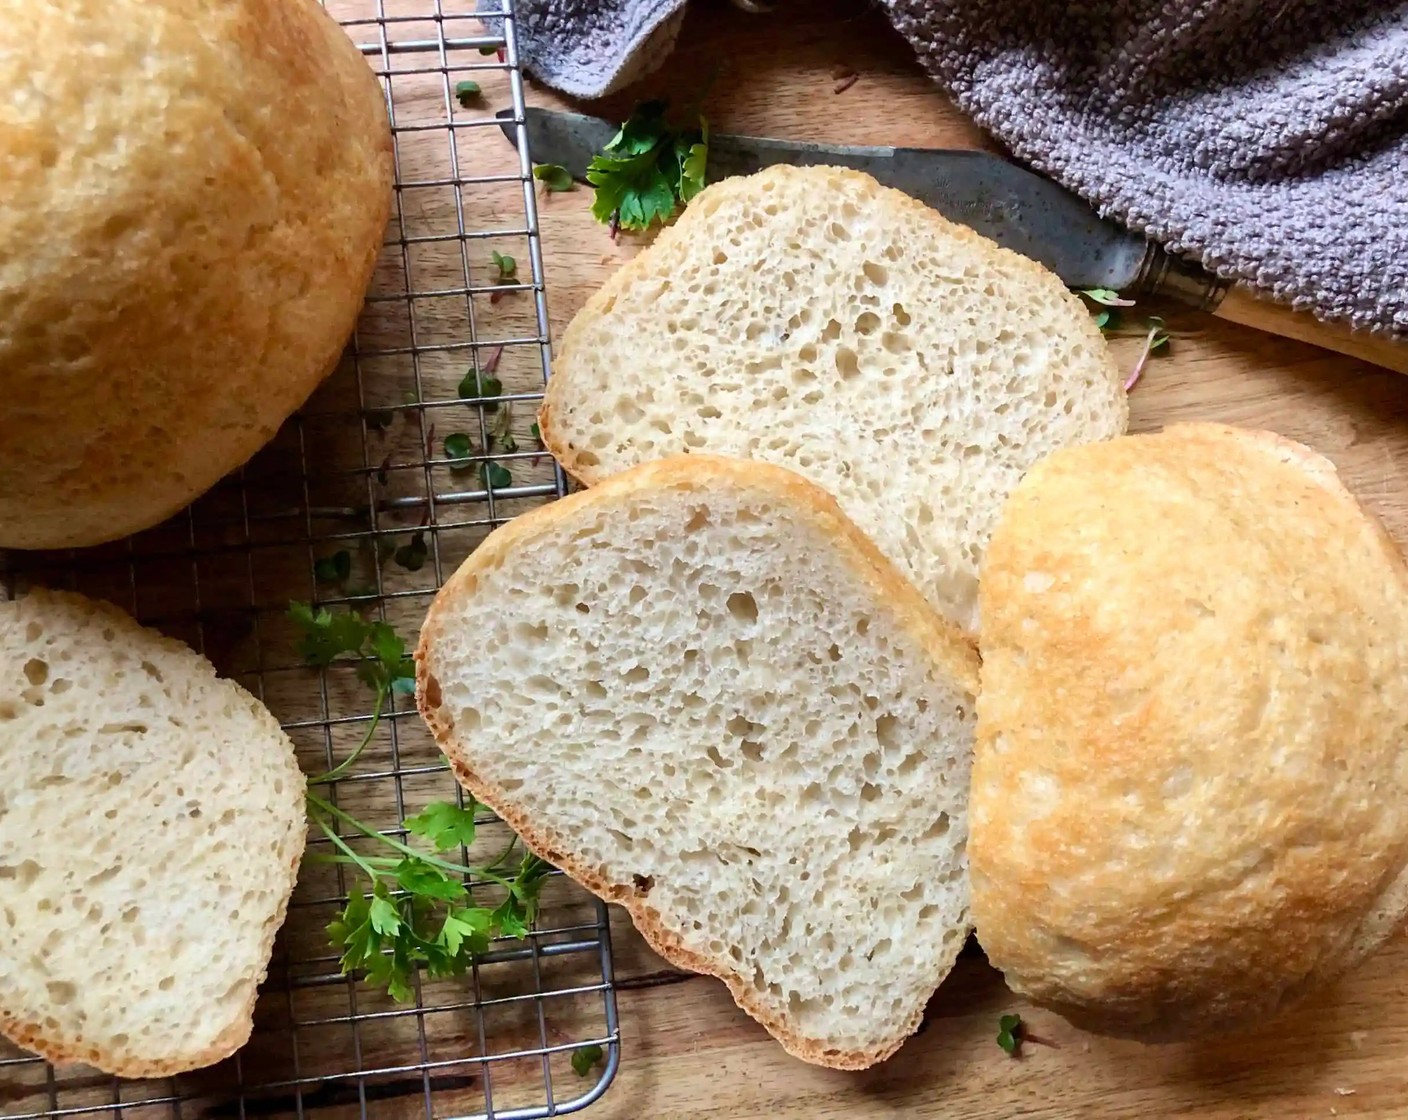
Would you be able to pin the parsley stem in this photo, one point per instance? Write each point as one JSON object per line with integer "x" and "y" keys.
{"x": 391, "y": 841}
{"x": 342, "y": 767}
{"x": 338, "y": 841}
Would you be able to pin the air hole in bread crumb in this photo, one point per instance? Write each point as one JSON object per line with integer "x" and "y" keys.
{"x": 8, "y": 710}
{"x": 902, "y": 316}
{"x": 938, "y": 830}
{"x": 847, "y": 364}
{"x": 877, "y": 274}
{"x": 868, "y": 323}
{"x": 717, "y": 759}
{"x": 743, "y": 607}
{"x": 839, "y": 232}
{"x": 643, "y": 883}
{"x": 870, "y": 792}
{"x": 36, "y": 671}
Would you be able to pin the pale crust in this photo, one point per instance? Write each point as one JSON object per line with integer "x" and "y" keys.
{"x": 197, "y": 241}
{"x": 1190, "y": 787}
{"x": 940, "y": 639}
{"x": 60, "y": 1048}
{"x": 644, "y": 264}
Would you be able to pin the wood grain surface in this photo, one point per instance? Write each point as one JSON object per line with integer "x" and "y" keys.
{"x": 686, "y": 1051}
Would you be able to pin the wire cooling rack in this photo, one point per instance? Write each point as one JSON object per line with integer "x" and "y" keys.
{"x": 358, "y": 504}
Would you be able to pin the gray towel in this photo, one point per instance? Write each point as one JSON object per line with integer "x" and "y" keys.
{"x": 1267, "y": 139}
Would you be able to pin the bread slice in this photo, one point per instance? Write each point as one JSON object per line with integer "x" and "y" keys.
{"x": 151, "y": 822}
{"x": 812, "y": 318}
{"x": 702, "y": 692}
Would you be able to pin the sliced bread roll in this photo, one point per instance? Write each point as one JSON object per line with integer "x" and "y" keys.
{"x": 151, "y": 823}
{"x": 812, "y": 318}
{"x": 702, "y": 692}
{"x": 1190, "y": 795}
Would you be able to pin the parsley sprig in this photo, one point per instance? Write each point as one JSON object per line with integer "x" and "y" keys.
{"x": 416, "y": 908}
{"x": 648, "y": 170}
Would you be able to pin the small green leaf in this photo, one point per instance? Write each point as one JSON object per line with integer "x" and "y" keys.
{"x": 460, "y": 451}
{"x": 421, "y": 878}
{"x": 495, "y": 476}
{"x": 467, "y": 929}
{"x": 1009, "y": 1033}
{"x": 412, "y": 555}
{"x": 384, "y": 917}
{"x": 1159, "y": 335}
{"x": 476, "y": 384}
{"x": 467, "y": 93}
{"x": 333, "y": 569}
{"x": 1104, "y": 319}
{"x": 536, "y": 432}
{"x": 404, "y": 686}
{"x": 507, "y": 266}
{"x": 488, "y": 50}
{"x": 444, "y": 824}
{"x": 1107, "y": 297}
{"x": 512, "y": 918}
{"x": 324, "y": 634}
{"x": 584, "y": 1058}
{"x": 553, "y": 176}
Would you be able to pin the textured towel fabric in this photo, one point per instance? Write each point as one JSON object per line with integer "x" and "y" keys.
{"x": 1267, "y": 139}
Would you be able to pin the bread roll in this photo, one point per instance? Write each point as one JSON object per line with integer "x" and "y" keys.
{"x": 714, "y": 702}
{"x": 195, "y": 192}
{"x": 1190, "y": 792}
{"x": 809, "y": 317}
{"x": 151, "y": 824}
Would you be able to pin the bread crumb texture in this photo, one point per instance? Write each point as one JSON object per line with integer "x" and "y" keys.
{"x": 812, "y": 318}
{"x": 151, "y": 823}
{"x": 195, "y": 193}
{"x": 1190, "y": 795}
{"x": 703, "y": 694}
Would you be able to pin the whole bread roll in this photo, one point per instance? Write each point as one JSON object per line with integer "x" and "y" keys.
{"x": 195, "y": 193}
{"x": 1190, "y": 790}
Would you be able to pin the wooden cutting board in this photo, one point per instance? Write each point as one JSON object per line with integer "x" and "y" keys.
{"x": 687, "y": 1051}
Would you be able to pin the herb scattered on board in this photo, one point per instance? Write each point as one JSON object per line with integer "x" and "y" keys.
{"x": 468, "y": 93}
{"x": 1107, "y": 318}
{"x": 507, "y": 266}
{"x": 413, "y": 554}
{"x": 1009, "y": 1034}
{"x": 418, "y": 910}
{"x": 501, "y": 430}
{"x": 333, "y": 569}
{"x": 496, "y": 476}
{"x": 648, "y": 170}
{"x": 481, "y": 383}
{"x": 1106, "y": 297}
{"x": 553, "y": 176}
{"x": 459, "y": 449}
{"x": 584, "y": 1058}
{"x": 1154, "y": 338}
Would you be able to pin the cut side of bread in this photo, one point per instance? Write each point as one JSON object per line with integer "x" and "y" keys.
{"x": 809, "y": 317}
{"x": 151, "y": 824}
{"x": 704, "y": 694}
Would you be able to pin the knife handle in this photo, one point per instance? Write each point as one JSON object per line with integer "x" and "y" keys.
{"x": 1240, "y": 306}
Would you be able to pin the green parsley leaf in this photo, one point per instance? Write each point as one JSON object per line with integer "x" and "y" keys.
{"x": 1107, "y": 297}
{"x": 413, "y": 554}
{"x": 507, "y": 266}
{"x": 648, "y": 170}
{"x": 426, "y": 881}
{"x": 467, "y": 929}
{"x": 553, "y": 176}
{"x": 444, "y": 824}
{"x": 1158, "y": 333}
{"x": 489, "y": 50}
{"x": 477, "y": 384}
{"x": 584, "y": 1058}
{"x": 460, "y": 451}
{"x": 333, "y": 569}
{"x": 1009, "y": 1034}
{"x": 495, "y": 476}
{"x": 324, "y": 634}
{"x": 384, "y": 917}
{"x": 536, "y": 432}
{"x": 512, "y": 918}
{"x": 467, "y": 93}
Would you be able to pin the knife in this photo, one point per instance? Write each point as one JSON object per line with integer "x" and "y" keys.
{"x": 1010, "y": 204}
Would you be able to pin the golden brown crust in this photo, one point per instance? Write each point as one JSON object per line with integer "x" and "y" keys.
{"x": 200, "y": 204}
{"x": 720, "y": 193}
{"x": 58, "y": 1047}
{"x": 1190, "y": 788}
{"x": 941, "y": 640}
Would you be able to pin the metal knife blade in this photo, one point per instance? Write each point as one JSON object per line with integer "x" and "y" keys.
{"x": 1014, "y": 206}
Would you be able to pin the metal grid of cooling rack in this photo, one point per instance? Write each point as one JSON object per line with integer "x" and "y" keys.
{"x": 361, "y": 481}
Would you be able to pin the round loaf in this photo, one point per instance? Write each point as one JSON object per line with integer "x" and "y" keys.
{"x": 1190, "y": 791}
{"x": 195, "y": 193}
